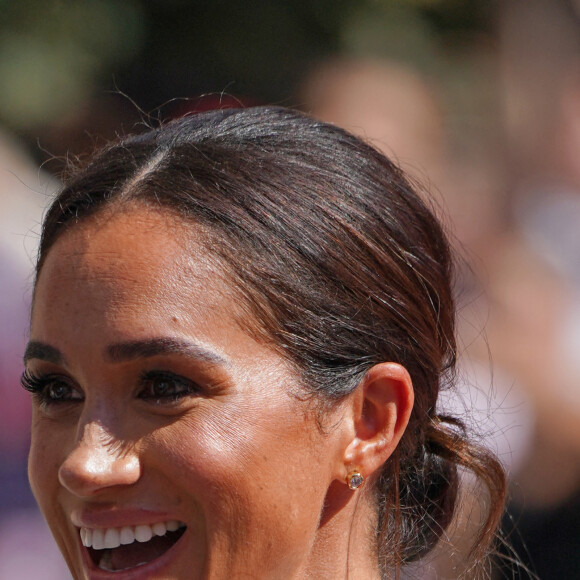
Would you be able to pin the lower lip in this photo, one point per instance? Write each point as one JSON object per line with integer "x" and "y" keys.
{"x": 149, "y": 570}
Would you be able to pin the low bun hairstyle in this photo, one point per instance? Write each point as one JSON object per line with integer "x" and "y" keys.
{"x": 339, "y": 262}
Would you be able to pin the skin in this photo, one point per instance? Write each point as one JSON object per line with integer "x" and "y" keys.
{"x": 240, "y": 459}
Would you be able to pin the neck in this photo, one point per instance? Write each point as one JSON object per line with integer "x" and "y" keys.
{"x": 345, "y": 544}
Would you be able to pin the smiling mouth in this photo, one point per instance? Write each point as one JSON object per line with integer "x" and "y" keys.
{"x": 117, "y": 549}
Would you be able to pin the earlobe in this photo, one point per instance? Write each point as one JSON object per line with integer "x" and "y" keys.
{"x": 381, "y": 408}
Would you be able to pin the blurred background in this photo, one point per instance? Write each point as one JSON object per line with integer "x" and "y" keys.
{"x": 478, "y": 101}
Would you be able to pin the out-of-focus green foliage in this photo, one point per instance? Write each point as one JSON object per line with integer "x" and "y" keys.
{"x": 55, "y": 54}
{"x": 52, "y": 54}
{"x": 393, "y": 30}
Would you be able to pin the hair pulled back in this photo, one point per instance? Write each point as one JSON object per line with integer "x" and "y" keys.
{"x": 338, "y": 260}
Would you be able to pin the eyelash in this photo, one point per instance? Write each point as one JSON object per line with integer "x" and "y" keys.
{"x": 185, "y": 387}
{"x": 39, "y": 386}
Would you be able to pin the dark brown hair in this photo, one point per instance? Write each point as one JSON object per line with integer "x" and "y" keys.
{"x": 341, "y": 264}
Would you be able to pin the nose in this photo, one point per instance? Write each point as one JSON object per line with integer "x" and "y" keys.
{"x": 99, "y": 462}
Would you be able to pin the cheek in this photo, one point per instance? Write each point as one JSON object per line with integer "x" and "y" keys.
{"x": 43, "y": 464}
{"x": 246, "y": 473}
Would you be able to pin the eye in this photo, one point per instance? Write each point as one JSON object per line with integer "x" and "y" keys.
{"x": 165, "y": 387}
{"x": 51, "y": 389}
{"x": 59, "y": 391}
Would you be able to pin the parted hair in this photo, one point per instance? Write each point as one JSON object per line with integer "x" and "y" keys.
{"x": 341, "y": 265}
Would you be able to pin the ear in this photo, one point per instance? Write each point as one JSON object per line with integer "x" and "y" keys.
{"x": 381, "y": 407}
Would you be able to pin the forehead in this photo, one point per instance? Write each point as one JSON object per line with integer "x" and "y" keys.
{"x": 134, "y": 258}
{"x": 125, "y": 234}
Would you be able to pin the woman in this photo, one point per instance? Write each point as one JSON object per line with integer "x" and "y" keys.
{"x": 240, "y": 327}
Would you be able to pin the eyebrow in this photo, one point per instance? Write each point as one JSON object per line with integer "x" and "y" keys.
{"x": 42, "y": 351}
{"x": 124, "y": 351}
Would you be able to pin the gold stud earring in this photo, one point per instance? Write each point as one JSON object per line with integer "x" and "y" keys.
{"x": 354, "y": 479}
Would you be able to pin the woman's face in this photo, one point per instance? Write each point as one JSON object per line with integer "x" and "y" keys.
{"x": 155, "y": 413}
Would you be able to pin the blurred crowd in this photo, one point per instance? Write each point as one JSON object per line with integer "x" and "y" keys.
{"x": 507, "y": 188}
{"x": 24, "y": 191}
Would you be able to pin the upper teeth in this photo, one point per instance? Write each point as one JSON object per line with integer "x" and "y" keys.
{"x": 106, "y": 538}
